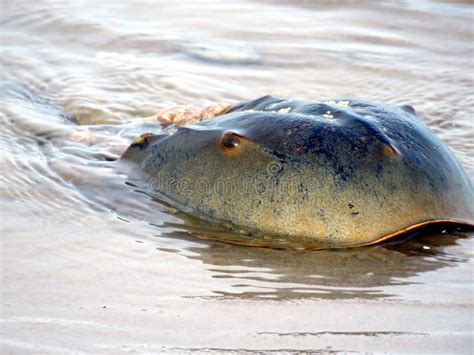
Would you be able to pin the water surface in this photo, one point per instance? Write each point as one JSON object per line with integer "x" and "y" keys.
{"x": 90, "y": 263}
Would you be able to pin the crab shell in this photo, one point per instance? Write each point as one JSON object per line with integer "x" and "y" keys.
{"x": 332, "y": 174}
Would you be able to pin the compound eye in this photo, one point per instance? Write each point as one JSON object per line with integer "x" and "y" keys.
{"x": 231, "y": 140}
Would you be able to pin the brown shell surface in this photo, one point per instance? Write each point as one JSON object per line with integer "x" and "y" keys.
{"x": 327, "y": 174}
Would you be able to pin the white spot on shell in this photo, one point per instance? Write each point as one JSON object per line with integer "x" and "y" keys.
{"x": 343, "y": 103}
{"x": 328, "y": 115}
{"x": 284, "y": 110}
{"x": 338, "y": 103}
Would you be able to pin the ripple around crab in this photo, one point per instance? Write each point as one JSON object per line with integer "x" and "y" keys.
{"x": 333, "y": 174}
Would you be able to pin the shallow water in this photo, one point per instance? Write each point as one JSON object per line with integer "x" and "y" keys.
{"x": 90, "y": 263}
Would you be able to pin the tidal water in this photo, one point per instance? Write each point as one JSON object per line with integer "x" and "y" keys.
{"x": 90, "y": 263}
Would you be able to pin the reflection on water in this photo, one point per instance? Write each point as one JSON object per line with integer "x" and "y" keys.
{"x": 339, "y": 274}
{"x": 97, "y": 69}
